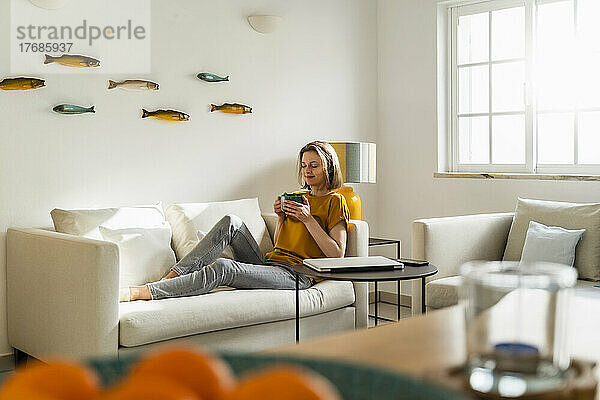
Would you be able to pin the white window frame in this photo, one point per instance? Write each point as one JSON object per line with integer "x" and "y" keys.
{"x": 530, "y": 166}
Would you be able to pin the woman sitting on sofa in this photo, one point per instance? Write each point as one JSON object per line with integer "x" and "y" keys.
{"x": 314, "y": 229}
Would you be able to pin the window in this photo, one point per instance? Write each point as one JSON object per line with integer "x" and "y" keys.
{"x": 525, "y": 86}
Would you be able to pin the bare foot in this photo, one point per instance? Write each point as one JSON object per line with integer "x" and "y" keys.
{"x": 140, "y": 293}
{"x": 171, "y": 274}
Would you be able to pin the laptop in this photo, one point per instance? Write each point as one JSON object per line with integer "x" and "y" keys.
{"x": 353, "y": 264}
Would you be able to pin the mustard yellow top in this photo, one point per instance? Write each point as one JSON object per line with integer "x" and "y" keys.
{"x": 295, "y": 243}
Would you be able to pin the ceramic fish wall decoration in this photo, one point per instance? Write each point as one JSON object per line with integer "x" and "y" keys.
{"x": 73, "y": 60}
{"x": 166, "y": 115}
{"x": 231, "y": 108}
{"x": 72, "y": 109}
{"x": 21, "y": 83}
{"x": 133, "y": 85}
{"x": 208, "y": 77}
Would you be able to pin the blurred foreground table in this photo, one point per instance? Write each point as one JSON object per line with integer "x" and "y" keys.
{"x": 419, "y": 345}
{"x": 412, "y": 345}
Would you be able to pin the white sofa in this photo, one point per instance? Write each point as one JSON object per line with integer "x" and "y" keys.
{"x": 62, "y": 299}
{"x": 448, "y": 243}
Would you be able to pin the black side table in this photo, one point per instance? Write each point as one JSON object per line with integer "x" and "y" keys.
{"x": 398, "y": 275}
{"x": 381, "y": 242}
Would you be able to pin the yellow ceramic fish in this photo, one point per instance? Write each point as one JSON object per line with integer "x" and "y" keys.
{"x": 73, "y": 60}
{"x": 166, "y": 115}
{"x": 21, "y": 83}
{"x": 231, "y": 108}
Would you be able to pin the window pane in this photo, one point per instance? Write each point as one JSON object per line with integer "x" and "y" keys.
{"x": 588, "y": 32}
{"x": 555, "y": 85}
{"x": 473, "y": 89}
{"x": 508, "y": 33}
{"x": 588, "y": 81}
{"x": 508, "y": 139}
{"x": 555, "y": 138}
{"x": 473, "y": 140}
{"x": 472, "y": 40}
{"x": 588, "y": 26}
{"x": 508, "y": 86}
{"x": 555, "y": 27}
{"x": 554, "y": 72}
{"x": 589, "y": 138}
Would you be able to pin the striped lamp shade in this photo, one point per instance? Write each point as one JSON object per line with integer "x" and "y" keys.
{"x": 357, "y": 161}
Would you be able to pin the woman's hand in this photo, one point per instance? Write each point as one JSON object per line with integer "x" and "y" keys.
{"x": 277, "y": 208}
{"x": 297, "y": 210}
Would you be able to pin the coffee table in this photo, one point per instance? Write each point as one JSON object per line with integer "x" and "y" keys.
{"x": 397, "y": 275}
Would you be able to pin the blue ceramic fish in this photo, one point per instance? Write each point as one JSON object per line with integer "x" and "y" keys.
{"x": 72, "y": 109}
{"x": 208, "y": 77}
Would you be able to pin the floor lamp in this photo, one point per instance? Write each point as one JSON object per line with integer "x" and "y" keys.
{"x": 358, "y": 164}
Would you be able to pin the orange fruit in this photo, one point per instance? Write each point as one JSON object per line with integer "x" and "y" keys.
{"x": 27, "y": 393}
{"x": 151, "y": 388}
{"x": 207, "y": 376}
{"x": 284, "y": 383}
{"x": 55, "y": 380}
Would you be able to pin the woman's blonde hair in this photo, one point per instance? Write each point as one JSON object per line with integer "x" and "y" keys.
{"x": 331, "y": 165}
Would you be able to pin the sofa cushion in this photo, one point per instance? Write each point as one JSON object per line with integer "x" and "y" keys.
{"x": 145, "y": 254}
{"x": 85, "y": 222}
{"x": 444, "y": 292}
{"x": 565, "y": 215}
{"x": 586, "y": 285}
{"x": 189, "y": 218}
{"x": 142, "y": 322}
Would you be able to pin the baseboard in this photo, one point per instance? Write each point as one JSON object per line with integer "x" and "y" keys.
{"x": 391, "y": 298}
{"x": 7, "y": 362}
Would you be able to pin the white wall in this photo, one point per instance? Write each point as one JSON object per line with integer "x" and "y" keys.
{"x": 407, "y": 139}
{"x": 315, "y": 78}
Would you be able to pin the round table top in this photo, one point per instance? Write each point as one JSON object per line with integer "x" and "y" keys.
{"x": 405, "y": 273}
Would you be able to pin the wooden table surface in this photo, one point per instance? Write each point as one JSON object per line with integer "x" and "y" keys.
{"x": 436, "y": 340}
{"x": 411, "y": 345}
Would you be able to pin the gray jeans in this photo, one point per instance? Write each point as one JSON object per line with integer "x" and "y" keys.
{"x": 201, "y": 270}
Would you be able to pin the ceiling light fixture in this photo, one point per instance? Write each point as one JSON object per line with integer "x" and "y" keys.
{"x": 264, "y": 23}
{"x": 50, "y": 4}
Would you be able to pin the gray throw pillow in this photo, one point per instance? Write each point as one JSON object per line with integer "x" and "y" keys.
{"x": 550, "y": 243}
{"x": 566, "y": 215}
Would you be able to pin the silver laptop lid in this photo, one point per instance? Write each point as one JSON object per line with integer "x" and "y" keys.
{"x": 331, "y": 264}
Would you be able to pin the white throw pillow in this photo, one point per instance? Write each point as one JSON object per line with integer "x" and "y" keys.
{"x": 566, "y": 215}
{"x": 550, "y": 243}
{"x": 85, "y": 222}
{"x": 145, "y": 254}
{"x": 187, "y": 219}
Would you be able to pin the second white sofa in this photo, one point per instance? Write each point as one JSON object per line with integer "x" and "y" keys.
{"x": 449, "y": 242}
